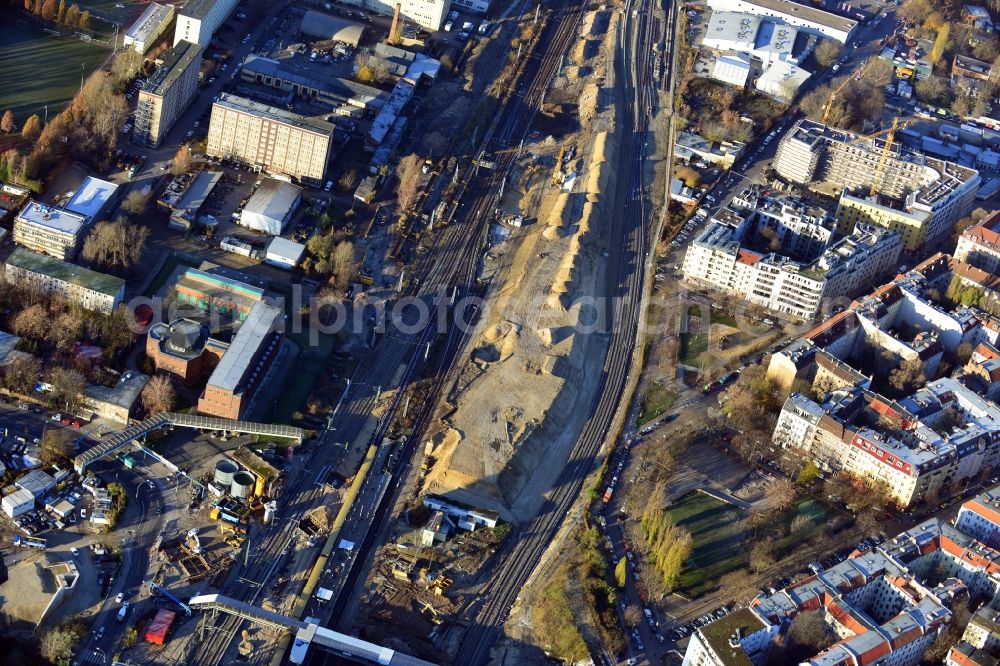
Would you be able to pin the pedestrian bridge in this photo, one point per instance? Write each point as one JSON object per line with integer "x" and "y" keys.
{"x": 308, "y": 633}
{"x": 116, "y": 441}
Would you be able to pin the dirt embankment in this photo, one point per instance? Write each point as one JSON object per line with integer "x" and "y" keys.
{"x": 525, "y": 391}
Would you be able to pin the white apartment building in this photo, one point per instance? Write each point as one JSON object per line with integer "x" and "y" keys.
{"x": 54, "y": 231}
{"x": 979, "y": 517}
{"x": 167, "y": 93}
{"x": 90, "y": 289}
{"x": 911, "y": 461}
{"x": 150, "y": 26}
{"x": 979, "y": 245}
{"x": 430, "y": 14}
{"x": 809, "y": 19}
{"x": 723, "y": 256}
{"x": 930, "y": 194}
{"x": 277, "y": 141}
{"x": 876, "y": 611}
{"x": 198, "y": 20}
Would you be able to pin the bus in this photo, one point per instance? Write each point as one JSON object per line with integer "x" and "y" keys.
{"x": 126, "y": 460}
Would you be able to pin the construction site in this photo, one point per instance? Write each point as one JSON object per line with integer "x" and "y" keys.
{"x": 519, "y": 398}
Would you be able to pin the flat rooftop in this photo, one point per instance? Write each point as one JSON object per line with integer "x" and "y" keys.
{"x": 199, "y": 189}
{"x": 123, "y": 394}
{"x": 717, "y": 635}
{"x": 235, "y": 362}
{"x": 65, "y": 272}
{"x": 273, "y": 113}
{"x": 56, "y": 219}
{"x": 804, "y": 13}
{"x": 174, "y": 63}
{"x": 274, "y": 198}
{"x": 150, "y": 21}
{"x": 288, "y": 71}
{"x": 92, "y": 196}
{"x": 736, "y": 27}
{"x": 198, "y": 9}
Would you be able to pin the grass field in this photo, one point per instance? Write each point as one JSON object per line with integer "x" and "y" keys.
{"x": 38, "y": 70}
{"x": 655, "y": 401}
{"x": 715, "y": 528}
{"x": 718, "y": 549}
{"x": 692, "y": 345}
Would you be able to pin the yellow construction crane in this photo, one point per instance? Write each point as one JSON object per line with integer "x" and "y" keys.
{"x": 839, "y": 89}
{"x": 884, "y": 157}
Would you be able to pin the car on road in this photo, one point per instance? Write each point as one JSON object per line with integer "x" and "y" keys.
{"x": 120, "y": 597}
{"x": 65, "y": 421}
{"x": 75, "y": 552}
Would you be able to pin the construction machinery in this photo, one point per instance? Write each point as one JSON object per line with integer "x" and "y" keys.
{"x": 427, "y": 608}
{"x": 884, "y": 157}
{"x": 192, "y": 541}
{"x": 157, "y": 589}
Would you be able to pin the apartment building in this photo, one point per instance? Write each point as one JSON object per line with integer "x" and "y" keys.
{"x": 979, "y": 245}
{"x": 198, "y": 20}
{"x": 805, "y": 17}
{"x": 148, "y": 29}
{"x": 53, "y": 231}
{"x": 876, "y": 610}
{"x": 428, "y": 14}
{"x": 912, "y": 225}
{"x": 167, "y": 93}
{"x": 920, "y": 196}
{"x": 90, "y": 289}
{"x": 773, "y": 250}
{"x": 244, "y": 367}
{"x": 980, "y": 641}
{"x": 276, "y": 140}
{"x": 979, "y": 517}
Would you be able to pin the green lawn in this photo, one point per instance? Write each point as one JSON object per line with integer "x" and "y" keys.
{"x": 38, "y": 70}
{"x": 655, "y": 401}
{"x": 724, "y": 318}
{"x": 715, "y": 528}
{"x": 812, "y": 510}
{"x": 692, "y": 346}
{"x": 718, "y": 548}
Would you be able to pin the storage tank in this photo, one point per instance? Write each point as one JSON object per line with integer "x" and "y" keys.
{"x": 242, "y": 484}
{"x": 269, "y": 510}
{"x": 224, "y": 471}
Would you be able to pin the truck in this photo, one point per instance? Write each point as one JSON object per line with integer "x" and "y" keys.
{"x": 126, "y": 460}
{"x": 608, "y": 494}
{"x": 30, "y": 542}
{"x": 123, "y": 611}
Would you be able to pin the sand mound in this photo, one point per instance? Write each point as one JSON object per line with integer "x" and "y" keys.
{"x": 499, "y": 343}
{"x": 558, "y": 218}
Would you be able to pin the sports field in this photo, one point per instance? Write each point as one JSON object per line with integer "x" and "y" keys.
{"x": 38, "y": 70}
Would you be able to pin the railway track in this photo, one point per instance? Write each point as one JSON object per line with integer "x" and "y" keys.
{"x": 627, "y": 283}
{"x": 452, "y": 262}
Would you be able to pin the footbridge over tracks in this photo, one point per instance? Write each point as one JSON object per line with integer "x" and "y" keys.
{"x": 115, "y": 442}
{"x": 307, "y": 634}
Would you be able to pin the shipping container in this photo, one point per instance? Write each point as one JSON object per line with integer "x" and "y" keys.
{"x": 126, "y": 460}
{"x": 156, "y": 630}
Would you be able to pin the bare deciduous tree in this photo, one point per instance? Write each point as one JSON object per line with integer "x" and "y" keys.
{"x": 21, "y": 374}
{"x": 408, "y": 188}
{"x": 116, "y": 244}
{"x": 7, "y": 123}
{"x": 32, "y": 127}
{"x": 67, "y": 386}
{"x": 158, "y": 395}
{"x": 343, "y": 262}
{"x": 135, "y": 202}
{"x": 182, "y": 160}
{"x": 32, "y": 322}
